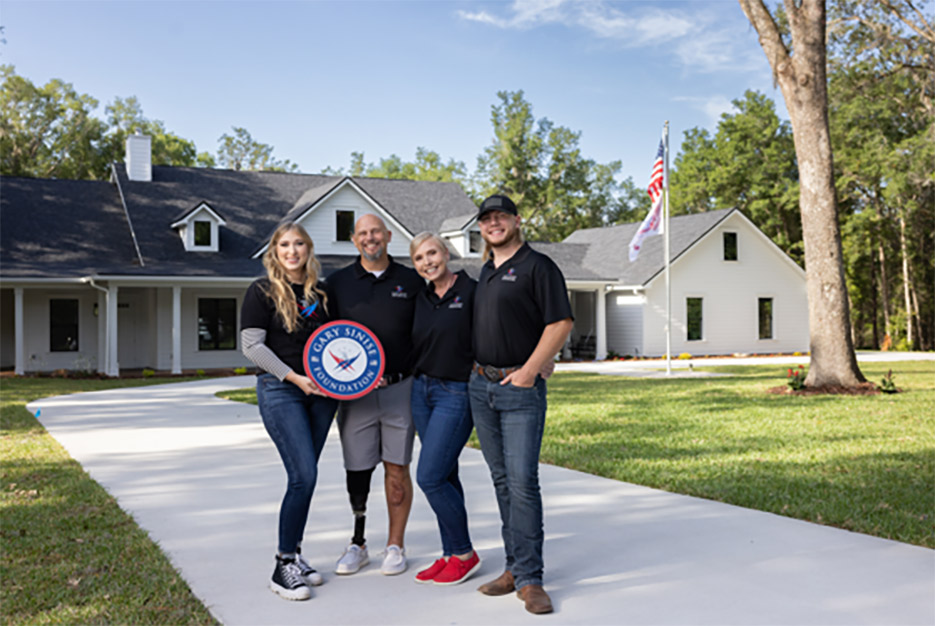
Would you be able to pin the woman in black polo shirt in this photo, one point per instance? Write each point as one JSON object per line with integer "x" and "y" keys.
{"x": 279, "y": 314}
{"x": 441, "y": 411}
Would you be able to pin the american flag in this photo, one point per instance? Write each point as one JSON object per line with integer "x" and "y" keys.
{"x": 652, "y": 224}
{"x": 655, "y": 179}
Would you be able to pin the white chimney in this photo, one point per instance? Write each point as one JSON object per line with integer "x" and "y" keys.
{"x": 139, "y": 157}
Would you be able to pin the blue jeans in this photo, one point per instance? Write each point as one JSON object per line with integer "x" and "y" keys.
{"x": 509, "y": 422}
{"x": 442, "y": 416}
{"x": 298, "y": 425}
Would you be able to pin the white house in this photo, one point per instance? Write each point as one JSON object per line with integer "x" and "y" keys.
{"x": 732, "y": 290}
{"x": 149, "y": 268}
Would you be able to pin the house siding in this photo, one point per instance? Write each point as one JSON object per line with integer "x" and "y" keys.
{"x": 624, "y": 324}
{"x": 192, "y": 357}
{"x": 320, "y": 224}
{"x": 36, "y": 353}
{"x": 730, "y": 290}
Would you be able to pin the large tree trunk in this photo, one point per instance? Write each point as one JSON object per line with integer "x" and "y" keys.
{"x": 804, "y": 87}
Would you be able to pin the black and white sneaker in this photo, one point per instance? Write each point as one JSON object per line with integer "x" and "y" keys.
{"x": 288, "y": 581}
{"x": 311, "y": 576}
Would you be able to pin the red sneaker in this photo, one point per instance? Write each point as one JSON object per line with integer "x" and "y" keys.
{"x": 457, "y": 571}
{"x": 429, "y": 573}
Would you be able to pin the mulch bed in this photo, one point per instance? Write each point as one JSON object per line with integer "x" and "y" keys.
{"x": 862, "y": 389}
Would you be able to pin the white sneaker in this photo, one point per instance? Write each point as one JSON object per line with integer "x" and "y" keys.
{"x": 354, "y": 558}
{"x": 394, "y": 560}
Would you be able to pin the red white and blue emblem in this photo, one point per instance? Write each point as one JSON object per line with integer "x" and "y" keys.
{"x": 345, "y": 359}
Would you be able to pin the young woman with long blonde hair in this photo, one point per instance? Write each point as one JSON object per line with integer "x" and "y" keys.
{"x": 279, "y": 313}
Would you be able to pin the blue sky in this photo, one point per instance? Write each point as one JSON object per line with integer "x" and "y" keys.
{"x": 318, "y": 80}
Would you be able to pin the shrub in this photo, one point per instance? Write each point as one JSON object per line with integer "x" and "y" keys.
{"x": 796, "y": 379}
{"x": 148, "y": 373}
{"x": 240, "y": 371}
{"x": 685, "y": 356}
{"x": 887, "y": 385}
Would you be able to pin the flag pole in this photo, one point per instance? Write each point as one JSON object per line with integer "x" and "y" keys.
{"x": 665, "y": 135}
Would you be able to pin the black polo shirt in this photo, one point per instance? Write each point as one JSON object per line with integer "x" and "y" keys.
{"x": 441, "y": 332}
{"x": 385, "y": 305}
{"x": 513, "y": 304}
{"x": 258, "y": 311}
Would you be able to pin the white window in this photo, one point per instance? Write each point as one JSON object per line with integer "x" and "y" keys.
{"x": 343, "y": 225}
{"x": 730, "y": 246}
{"x": 202, "y": 233}
{"x": 694, "y": 320}
{"x": 765, "y": 317}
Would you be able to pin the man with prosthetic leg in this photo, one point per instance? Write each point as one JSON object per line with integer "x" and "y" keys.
{"x": 379, "y": 293}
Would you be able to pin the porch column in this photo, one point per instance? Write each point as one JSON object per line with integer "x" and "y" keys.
{"x": 113, "y": 366}
{"x": 102, "y": 331}
{"x": 600, "y": 320}
{"x": 176, "y": 330}
{"x": 19, "y": 332}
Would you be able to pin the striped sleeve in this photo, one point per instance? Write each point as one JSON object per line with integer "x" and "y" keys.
{"x": 254, "y": 348}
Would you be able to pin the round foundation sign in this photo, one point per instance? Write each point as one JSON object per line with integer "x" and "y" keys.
{"x": 345, "y": 359}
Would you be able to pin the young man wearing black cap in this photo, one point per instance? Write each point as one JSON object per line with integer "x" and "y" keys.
{"x": 522, "y": 318}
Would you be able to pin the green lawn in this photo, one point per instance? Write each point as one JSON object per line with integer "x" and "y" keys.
{"x": 865, "y": 463}
{"x": 70, "y": 555}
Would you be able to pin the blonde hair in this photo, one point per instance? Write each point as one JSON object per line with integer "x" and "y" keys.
{"x": 421, "y": 238}
{"x": 280, "y": 291}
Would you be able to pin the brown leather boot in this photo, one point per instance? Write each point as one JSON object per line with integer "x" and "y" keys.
{"x": 536, "y": 599}
{"x": 499, "y": 586}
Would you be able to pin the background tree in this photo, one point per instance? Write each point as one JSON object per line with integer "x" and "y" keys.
{"x": 749, "y": 164}
{"x": 427, "y": 166}
{"x": 125, "y": 117}
{"x": 541, "y": 167}
{"x": 882, "y": 82}
{"x": 241, "y": 151}
{"x": 803, "y": 81}
{"x": 631, "y": 204}
{"x": 48, "y": 131}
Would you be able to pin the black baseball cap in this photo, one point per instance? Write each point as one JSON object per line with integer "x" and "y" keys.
{"x": 497, "y": 202}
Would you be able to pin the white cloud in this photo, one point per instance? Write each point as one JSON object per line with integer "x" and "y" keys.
{"x": 525, "y": 14}
{"x": 698, "y": 37}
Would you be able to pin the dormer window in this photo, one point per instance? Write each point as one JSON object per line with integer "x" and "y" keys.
{"x": 202, "y": 233}
{"x": 199, "y": 228}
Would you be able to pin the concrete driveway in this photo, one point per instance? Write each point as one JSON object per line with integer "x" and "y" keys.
{"x": 201, "y": 476}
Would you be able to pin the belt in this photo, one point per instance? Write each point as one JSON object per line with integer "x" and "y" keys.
{"x": 494, "y": 374}
{"x": 392, "y": 379}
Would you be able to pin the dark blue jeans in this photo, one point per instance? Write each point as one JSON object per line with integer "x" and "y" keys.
{"x": 298, "y": 425}
{"x": 442, "y": 416}
{"x": 509, "y": 422}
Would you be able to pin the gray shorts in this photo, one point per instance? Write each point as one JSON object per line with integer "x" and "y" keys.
{"x": 377, "y": 427}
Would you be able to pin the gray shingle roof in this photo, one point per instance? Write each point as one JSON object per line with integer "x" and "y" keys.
{"x": 419, "y": 205}
{"x": 62, "y": 228}
{"x": 608, "y": 247}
